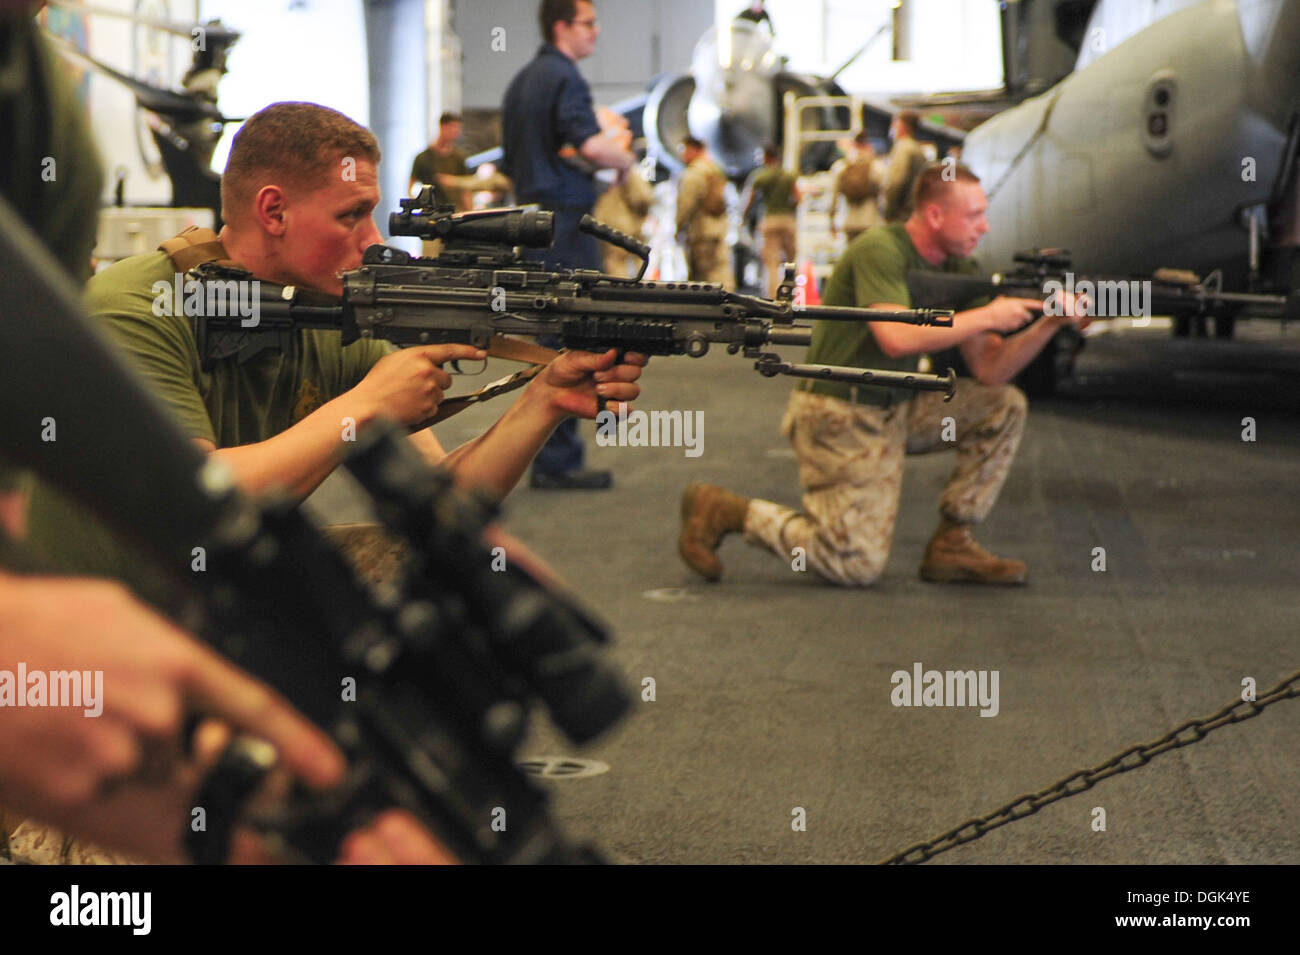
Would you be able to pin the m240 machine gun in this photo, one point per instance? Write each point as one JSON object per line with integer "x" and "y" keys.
{"x": 482, "y": 288}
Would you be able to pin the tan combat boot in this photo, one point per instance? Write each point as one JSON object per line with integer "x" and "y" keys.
{"x": 953, "y": 556}
{"x": 709, "y": 513}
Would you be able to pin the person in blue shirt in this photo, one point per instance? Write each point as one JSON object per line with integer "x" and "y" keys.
{"x": 552, "y": 145}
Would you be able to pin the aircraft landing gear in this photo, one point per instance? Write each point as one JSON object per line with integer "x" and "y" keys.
{"x": 1198, "y": 326}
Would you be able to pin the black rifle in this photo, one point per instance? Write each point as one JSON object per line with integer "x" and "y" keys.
{"x": 1043, "y": 272}
{"x": 446, "y": 662}
{"x": 483, "y": 286}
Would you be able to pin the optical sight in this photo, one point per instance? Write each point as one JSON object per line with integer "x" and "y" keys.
{"x": 421, "y": 216}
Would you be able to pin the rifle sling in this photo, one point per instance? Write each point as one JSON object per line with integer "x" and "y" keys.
{"x": 193, "y": 247}
{"x": 511, "y": 349}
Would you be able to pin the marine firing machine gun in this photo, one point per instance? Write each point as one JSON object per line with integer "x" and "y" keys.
{"x": 482, "y": 288}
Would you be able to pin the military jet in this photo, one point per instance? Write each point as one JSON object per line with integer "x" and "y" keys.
{"x": 733, "y": 100}
{"x": 1171, "y": 144}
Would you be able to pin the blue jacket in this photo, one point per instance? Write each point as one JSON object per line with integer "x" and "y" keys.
{"x": 547, "y": 105}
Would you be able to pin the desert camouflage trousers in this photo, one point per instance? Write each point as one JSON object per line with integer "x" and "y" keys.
{"x": 851, "y": 468}
{"x": 709, "y": 260}
{"x": 779, "y": 238}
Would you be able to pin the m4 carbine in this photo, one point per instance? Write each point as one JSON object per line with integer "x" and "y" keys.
{"x": 1041, "y": 273}
{"x": 482, "y": 288}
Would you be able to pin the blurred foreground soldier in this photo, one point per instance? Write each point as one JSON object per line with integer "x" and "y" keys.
{"x": 552, "y": 145}
{"x": 778, "y": 190}
{"x": 850, "y": 440}
{"x": 907, "y": 158}
{"x": 702, "y": 222}
{"x": 115, "y": 770}
{"x": 624, "y": 205}
{"x": 858, "y": 181}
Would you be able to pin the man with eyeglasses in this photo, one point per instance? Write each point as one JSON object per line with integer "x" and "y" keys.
{"x": 552, "y": 145}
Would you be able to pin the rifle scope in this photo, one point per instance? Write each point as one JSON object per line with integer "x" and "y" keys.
{"x": 531, "y": 228}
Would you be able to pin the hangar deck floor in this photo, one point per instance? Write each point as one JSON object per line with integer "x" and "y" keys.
{"x": 774, "y": 692}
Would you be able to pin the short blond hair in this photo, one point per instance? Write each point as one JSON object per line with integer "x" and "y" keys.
{"x": 290, "y": 144}
{"x": 936, "y": 179}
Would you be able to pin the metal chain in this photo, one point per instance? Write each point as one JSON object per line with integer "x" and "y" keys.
{"x": 1084, "y": 779}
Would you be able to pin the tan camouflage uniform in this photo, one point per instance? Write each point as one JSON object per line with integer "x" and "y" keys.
{"x": 863, "y": 214}
{"x": 34, "y": 843}
{"x": 780, "y": 236}
{"x": 708, "y": 256}
{"x": 851, "y": 468}
{"x": 907, "y": 158}
{"x": 624, "y": 206}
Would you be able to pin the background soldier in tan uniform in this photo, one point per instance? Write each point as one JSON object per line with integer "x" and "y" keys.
{"x": 702, "y": 217}
{"x": 907, "y": 158}
{"x": 850, "y": 440}
{"x": 624, "y": 205}
{"x": 859, "y": 181}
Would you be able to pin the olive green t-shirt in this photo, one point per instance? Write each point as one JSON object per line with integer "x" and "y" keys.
{"x": 872, "y": 271}
{"x": 430, "y": 163}
{"x": 776, "y": 186}
{"x": 49, "y": 169}
{"x": 234, "y": 404}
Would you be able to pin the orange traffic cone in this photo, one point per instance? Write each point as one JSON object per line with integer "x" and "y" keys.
{"x": 808, "y": 280}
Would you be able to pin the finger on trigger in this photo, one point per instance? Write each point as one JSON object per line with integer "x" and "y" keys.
{"x": 444, "y": 353}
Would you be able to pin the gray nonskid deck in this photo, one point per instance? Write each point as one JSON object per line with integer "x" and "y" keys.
{"x": 773, "y": 691}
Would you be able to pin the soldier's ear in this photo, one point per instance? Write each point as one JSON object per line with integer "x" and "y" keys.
{"x": 269, "y": 208}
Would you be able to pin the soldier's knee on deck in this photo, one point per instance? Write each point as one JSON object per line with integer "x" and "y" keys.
{"x": 858, "y": 569}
